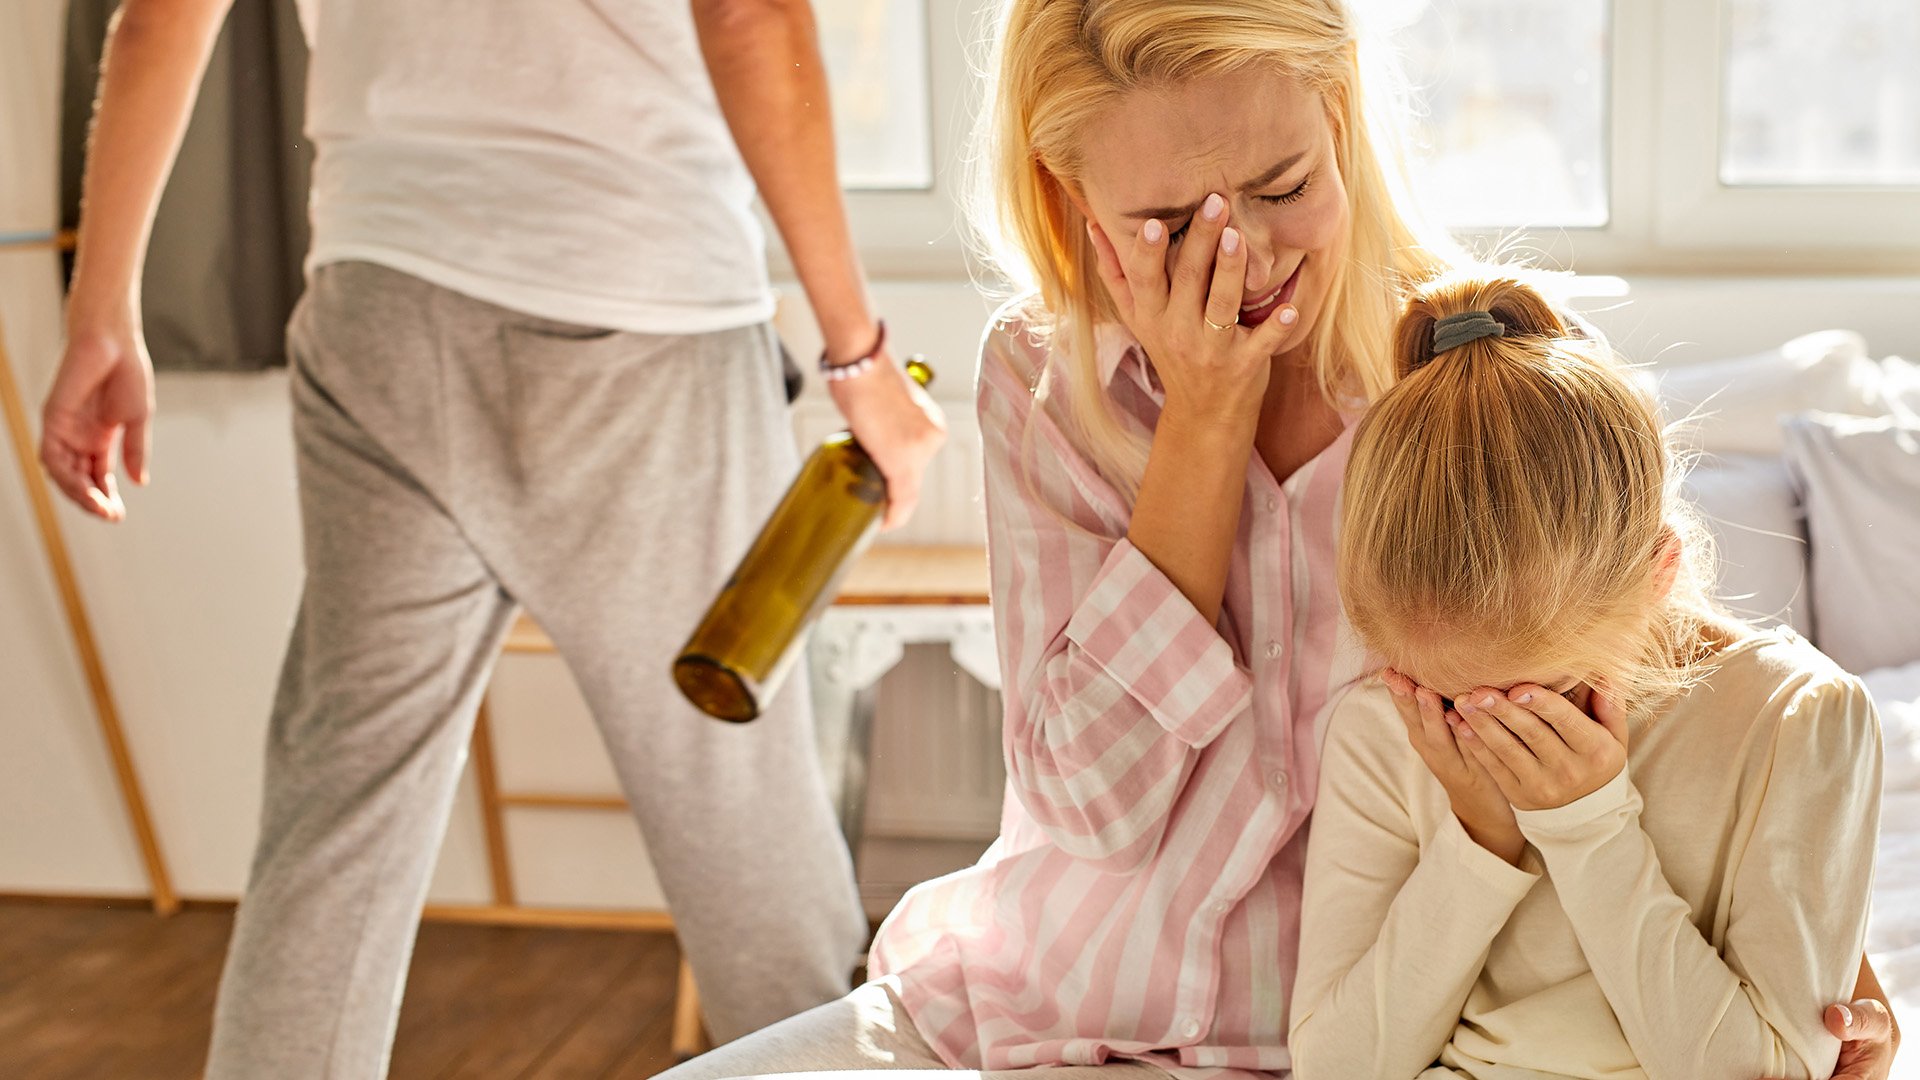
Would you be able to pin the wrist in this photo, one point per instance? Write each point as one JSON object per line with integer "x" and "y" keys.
{"x": 859, "y": 367}
{"x": 1505, "y": 841}
{"x": 1208, "y": 430}
{"x": 848, "y": 339}
{"x": 883, "y": 382}
{"x": 98, "y": 308}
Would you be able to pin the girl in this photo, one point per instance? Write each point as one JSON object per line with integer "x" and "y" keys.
{"x": 1585, "y": 823}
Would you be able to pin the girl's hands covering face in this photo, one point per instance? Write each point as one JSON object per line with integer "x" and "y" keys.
{"x": 1479, "y": 803}
{"x": 1540, "y": 750}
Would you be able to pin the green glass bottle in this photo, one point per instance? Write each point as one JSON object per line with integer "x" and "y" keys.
{"x": 749, "y": 640}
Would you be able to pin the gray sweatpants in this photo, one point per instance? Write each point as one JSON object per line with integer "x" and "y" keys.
{"x": 457, "y": 459}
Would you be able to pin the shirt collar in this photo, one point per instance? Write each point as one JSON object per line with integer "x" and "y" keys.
{"x": 1116, "y": 351}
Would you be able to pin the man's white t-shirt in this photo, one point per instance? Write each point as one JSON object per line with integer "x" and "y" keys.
{"x": 565, "y": 158}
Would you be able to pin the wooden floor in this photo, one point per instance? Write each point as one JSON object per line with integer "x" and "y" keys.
{"x": 90, "y": 991}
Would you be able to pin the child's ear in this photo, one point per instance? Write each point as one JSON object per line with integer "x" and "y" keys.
{"x": 1666, "y": 568}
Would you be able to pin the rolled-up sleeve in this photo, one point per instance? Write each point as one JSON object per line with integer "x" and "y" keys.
{"x": 1146, "y": 635}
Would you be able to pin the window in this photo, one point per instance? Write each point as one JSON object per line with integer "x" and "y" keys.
{"x": 903, "y": 96}
{"x": 1821, "y": 94}
{"x": 1784, "y": 133}
{"x": 876, "y": 55}
{"x": 1669, "y": 134}
{"x": 1514, "y": 93}
{"x": 1604, "y": 135}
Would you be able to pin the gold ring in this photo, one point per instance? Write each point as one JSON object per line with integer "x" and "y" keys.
{"x": 1216, "y": 325}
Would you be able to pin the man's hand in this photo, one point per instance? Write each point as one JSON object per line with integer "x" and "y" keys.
{"x": 898, "y": 424}
{"x": 102, "y": 399}
{"x": 764, "y": 59}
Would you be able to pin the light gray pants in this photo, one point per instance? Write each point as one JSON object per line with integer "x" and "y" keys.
{"x": 457, "y": 459}
{"x": 866, "y": 1031}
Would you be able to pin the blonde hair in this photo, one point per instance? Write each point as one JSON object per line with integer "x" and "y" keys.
{"x": 1512, "y": 500}
{"x": 1061, "y": 62}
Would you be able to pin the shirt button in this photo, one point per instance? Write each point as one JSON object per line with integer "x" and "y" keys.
{"x": 1190, "y": 1029}
{"x": 1279, "y": 780}
{"x": 1273, "y": 650}
{"x": 1221, "y": 907}
{"x": 1273, "y": 503}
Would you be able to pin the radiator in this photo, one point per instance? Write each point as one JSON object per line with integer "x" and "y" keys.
{"x": 935, "y": 769}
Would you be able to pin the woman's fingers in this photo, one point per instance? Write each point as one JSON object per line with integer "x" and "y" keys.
{"x": 1266, "y": 339}
{"x": 1193, "y": 264}
{"x": 1146, "y": 269}
{"x": 1229, "y": 282}
{"x": 1866, "y": 1020}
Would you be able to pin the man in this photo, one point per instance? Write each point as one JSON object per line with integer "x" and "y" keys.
{"x": 533, "y": 366}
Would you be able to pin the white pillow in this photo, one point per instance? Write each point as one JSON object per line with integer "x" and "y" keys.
{"x": 1759, "y": 534}
{"x": 1896, "y": 694}
{"x": 1734, "y": 405}
{"x": 1859, "y": 480}
{"x": 1893, "y": 930}
{"x": 1899, "y": 390}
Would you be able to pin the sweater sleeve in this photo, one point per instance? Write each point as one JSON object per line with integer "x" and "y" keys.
{"x": 1395, "y": 929}
{"x": 1799, "y": 885}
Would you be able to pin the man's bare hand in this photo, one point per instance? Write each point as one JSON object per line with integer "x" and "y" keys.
{"x": 101, "y": 403}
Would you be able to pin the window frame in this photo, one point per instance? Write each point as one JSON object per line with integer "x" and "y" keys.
{"x": 917, "y": 233}
{"x": 1698, "y": 209}
{"x": 1667, "y": 209}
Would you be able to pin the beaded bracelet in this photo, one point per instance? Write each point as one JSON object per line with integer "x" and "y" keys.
{"x": 853, "y": 369}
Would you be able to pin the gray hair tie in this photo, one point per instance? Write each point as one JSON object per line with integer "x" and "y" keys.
{"x": 1456, "y": 330}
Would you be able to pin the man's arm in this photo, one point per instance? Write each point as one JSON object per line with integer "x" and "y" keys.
{"x": 765, "y": 64}
{"x": 156, "y": 53}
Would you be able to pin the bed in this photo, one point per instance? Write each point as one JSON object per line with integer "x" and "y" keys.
{"x": 1807, "y": 473}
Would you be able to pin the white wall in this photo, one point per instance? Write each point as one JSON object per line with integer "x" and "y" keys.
{"x": 59, "y": 821}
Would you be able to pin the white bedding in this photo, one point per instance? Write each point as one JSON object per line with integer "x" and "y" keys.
{"x": 1893, "y": 933}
